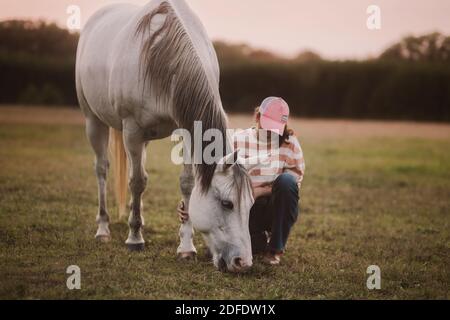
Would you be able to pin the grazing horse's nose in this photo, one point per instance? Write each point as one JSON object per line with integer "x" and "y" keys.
{"x": 239, "y": 264}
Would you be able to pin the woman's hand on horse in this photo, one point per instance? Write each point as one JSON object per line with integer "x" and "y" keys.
{"x": 182, "y": 214}
{"x": 262, "y": 191}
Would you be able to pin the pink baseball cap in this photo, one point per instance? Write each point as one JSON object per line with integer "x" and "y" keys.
{"x": 274, "y": 114}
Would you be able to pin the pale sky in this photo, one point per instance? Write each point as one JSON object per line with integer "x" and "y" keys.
{"x": 334, "y": 28}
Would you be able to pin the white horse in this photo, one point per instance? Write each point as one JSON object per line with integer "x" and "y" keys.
{"x": 142, "y": 72}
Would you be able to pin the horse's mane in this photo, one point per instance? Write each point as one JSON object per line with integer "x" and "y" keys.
{"x": 170, "y": 64}
{"x": 241, "y": 180}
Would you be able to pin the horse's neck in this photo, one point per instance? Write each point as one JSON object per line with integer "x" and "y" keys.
{"x": 199, "y": 38}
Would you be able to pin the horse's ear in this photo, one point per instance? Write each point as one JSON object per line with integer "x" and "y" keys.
{"x": 229, "y": 160}
{"x": 252, "y": 162}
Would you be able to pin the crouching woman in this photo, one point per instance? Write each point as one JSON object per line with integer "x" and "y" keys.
{"x": 276, "y": 184}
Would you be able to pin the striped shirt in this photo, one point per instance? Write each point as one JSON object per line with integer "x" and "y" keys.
{"x": 286, "y": 158}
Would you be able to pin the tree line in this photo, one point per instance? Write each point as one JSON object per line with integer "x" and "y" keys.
{"x": 409, "y": 80}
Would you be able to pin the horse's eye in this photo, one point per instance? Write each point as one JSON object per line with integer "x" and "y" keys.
{"x": 227, "y": 204}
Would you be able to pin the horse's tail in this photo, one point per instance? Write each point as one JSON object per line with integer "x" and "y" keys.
{"x": 120, "y": 169}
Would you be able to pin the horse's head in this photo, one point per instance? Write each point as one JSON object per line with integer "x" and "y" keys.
{"x": 222, "y": 213}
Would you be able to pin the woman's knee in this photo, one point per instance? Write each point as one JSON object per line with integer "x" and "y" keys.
{"x": 286, "y": 182}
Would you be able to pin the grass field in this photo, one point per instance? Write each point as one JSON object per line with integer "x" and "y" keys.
{"x": 374, "y": 193}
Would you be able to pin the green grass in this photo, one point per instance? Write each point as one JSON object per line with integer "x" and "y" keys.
{"x": 364, "y": 201}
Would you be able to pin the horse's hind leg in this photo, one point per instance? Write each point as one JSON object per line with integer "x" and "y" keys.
{"x": 186, "y": 250}
{"x": 134, "y": 141}
{"x": 98, "y": 135}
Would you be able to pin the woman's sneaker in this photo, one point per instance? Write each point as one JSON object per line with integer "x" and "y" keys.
{"x": 272, "y": 258}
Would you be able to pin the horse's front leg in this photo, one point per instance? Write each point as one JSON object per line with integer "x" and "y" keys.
{"x": 135, "y": 147}
{"x": 186, "y": 250}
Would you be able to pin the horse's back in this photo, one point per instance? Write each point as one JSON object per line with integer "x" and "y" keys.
{"x": 107, "y": 70}
{"x": 95, "y": 51}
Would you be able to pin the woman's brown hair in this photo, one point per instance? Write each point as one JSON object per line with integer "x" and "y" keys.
{"x": 286, "y": 134}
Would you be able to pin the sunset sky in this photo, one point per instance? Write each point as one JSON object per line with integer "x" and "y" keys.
{"x": 335, "y": 29}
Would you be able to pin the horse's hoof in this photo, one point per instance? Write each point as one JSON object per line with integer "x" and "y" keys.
{"x": 136, "y": 246}
{"x": 103, "y": 239}
{"x": 187, "y": 256}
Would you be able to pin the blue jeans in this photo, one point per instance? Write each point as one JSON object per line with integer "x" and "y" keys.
{"x": 274, "y": 214}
